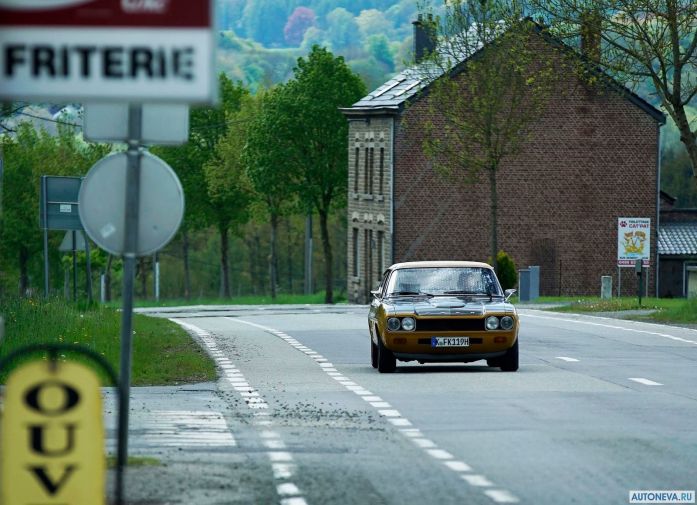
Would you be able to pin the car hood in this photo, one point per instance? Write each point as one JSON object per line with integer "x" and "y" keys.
{"x": 446, "y": 306}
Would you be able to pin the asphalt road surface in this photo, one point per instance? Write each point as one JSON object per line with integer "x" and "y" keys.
{"x": 598, "y": 408}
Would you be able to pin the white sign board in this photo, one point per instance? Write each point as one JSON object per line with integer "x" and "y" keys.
{"x": 633, "y": 241}
{"x": 162, "y": 124}
{"x": 107, "y": 50}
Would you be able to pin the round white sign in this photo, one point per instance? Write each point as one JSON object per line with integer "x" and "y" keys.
{"x": 102, "y": 204}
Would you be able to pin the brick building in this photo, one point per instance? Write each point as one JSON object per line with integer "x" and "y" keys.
{"x": 591, "y": 158}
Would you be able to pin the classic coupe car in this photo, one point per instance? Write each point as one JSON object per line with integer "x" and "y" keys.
{"x": 442, "y": 311}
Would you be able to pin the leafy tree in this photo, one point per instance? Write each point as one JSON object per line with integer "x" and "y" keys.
{"x": 507, "y": 273}
{"x": 206, "y": 126}
{"x": 481, "y": 102}
{"x": 29, "y": 155}
{"x": 267, "y": 164}
{"x": 373, "y": 22}
{"x": 299, "y": 21}
{"x": 342, "y": 29}
{"x": 313, "y": 135}
{"x": 654, "y": 40}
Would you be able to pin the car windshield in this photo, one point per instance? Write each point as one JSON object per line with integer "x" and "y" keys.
{"x": 443, "y": 281}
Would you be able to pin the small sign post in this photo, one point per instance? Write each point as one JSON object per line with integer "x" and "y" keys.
{"x": 633, "y": 243}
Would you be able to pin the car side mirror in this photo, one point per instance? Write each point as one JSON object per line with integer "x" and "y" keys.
{"x": 375, "y": 293}
{"x": 509, "y": 293}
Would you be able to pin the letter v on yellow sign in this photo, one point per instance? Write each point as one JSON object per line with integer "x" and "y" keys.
{"x": 52, "y": 436}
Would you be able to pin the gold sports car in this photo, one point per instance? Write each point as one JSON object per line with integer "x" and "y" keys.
{"x": 442, "y": 311}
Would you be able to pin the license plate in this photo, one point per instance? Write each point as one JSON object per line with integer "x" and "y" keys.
{"x": 450, "y": 341}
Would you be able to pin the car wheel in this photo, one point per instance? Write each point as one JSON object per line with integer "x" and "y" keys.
{"x": 387, "y": 363}
{"x": 373, "y": 354}
{"x": 493, "y": 362}
{"x": 509, "y": 361}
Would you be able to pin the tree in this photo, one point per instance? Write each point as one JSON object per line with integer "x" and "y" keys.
{"x": 640, "y": 40}
{"x": 313, "y": 137}
{"x": 29, "y": 155}
{"x": 207, "y": 125}
{"x": 488, "y": 85}
{"x": 268, "y": 166}
{"x": 342, "y": 29}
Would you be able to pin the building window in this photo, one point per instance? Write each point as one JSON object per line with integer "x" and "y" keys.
{"x": 355, "y": 252}
{"x": 382, "y": 171}
{"x": 372, "y": 170}
{"x": 356, "y": 174}
{"x": 365, "y": 168}
{"x": 381, "y": 259}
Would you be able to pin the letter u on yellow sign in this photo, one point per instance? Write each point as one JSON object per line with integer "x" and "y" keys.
{"x": 52, "y": 436}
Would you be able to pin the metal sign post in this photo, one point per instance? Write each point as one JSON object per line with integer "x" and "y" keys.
{"x": 129, "y": 267}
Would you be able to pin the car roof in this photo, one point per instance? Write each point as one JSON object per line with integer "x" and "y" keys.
{"x": 440, "y": 264}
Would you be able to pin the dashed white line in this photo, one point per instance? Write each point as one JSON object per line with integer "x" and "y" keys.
{"x": 391, "y": 415}
{"x": 281, "y": 461}
{"x": 565, "y": 358}
{"x": 645, "y": 382}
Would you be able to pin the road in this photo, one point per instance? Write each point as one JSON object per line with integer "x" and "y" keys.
{"x": 599, "y": 407}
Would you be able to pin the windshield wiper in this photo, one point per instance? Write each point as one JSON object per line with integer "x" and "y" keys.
{"x": 410, "y": 293}
{"x": 464, "y": 293}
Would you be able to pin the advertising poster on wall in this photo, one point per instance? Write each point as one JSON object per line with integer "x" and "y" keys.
{"x": 633, "y": 241}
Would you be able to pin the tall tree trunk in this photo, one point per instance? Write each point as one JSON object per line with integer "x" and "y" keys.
{"x": 328, "y": 266}
{"x": 290, "y": 256}
{"x": 687, "y": 136}
{"x": 185, "y": 258}
{"x": 224, "y": 268}
{"x": 273, "y": 259}
{"x": 258, "y": 267}
{"x": 23, "y": 271}
{"x": 107, "y": 279}
{"x": 494, "y": 217}
{"x": 143, "y": 279}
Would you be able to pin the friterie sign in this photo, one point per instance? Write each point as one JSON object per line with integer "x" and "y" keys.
{"x": 633, "y": 241}
{"x": 118, "y": 50}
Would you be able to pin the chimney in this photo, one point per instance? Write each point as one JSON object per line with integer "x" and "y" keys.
{"x": 591, "y": 26}
{"x": 424, "y": 37}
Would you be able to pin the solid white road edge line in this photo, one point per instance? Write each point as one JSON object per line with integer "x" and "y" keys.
{"x": 565, "y": 358}
{"x": 392, "y": 416}
{"x": 281, "y": 461}
{"x": 645, "y": 382}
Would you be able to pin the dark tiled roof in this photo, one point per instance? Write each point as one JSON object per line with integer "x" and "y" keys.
{"x": 397, "y": 91}
{"x": 677, "y": 238}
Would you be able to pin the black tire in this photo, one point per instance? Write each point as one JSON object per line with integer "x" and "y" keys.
{"x": 373, "y": 354}
{"x": 387, "y": 363}
{"x": 509, "y": 361}
{"x": 493, "y": 363}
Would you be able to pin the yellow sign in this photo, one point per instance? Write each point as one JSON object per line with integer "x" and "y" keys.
{"x": 52, "y": 436}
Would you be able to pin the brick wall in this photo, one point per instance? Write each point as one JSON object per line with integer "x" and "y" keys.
{"x": 369, "y": 204}
{"x": 591, "y": 158}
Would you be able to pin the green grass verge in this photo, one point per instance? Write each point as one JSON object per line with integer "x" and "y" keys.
{"x": 281, "y": 299}
{"x": 675, "y": 310}
{"x": 163, "y": 353}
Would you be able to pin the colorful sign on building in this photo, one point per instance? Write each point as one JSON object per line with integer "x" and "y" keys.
{"x": 52, "y": 436}
{"x": 633, "y": 241}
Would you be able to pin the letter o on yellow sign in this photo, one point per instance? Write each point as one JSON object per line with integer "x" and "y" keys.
{"x": 52, "y": 436}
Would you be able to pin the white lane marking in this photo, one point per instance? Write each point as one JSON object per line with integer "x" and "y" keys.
{"x": 501, "y": 496}
{"x": 439, "y": 454}
{"x": 380, "y": 405}
{"x": 389, "y": 413}
{"x": 281, "y": 460}
{"x": 458, "y": 466}
{"x": 287, "y": 489}
{"x": 477, "y": 480}
{"x": 645, "y": 382}
{"x": 616, "y": 327}
{"x": 393, "y": 417}
{"x": 565, "y": 358}
{"x": 282, "y": 470}
{"x": 424, "y": 443}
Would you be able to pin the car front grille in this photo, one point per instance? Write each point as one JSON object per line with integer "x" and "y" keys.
{"x": 450, "y": 324}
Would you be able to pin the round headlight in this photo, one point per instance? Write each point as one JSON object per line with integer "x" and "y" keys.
{"x": 408, "y": 324}
{"x": 492, "y": 323}
{"x": 506, "y": 322}
{"x": 393, "y": 324}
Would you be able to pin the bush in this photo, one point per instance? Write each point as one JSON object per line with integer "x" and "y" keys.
{"x": 506, "y": 271}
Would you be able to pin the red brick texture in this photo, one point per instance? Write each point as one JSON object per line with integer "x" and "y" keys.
{"x": 590, "y": 159}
